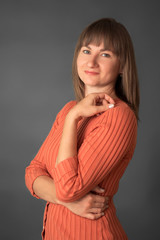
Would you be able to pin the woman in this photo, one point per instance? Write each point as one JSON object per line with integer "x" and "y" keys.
{"x": 78, "y": 168}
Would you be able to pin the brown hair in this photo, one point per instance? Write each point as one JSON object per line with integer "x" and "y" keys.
{"x": 117, "y": 39}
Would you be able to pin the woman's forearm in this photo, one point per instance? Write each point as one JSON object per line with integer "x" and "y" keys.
{"x": 44, "y": 188}
{"x": 87, "y": 207}
{"x": 68, "y": 144}
{"x": 85, "y": 108}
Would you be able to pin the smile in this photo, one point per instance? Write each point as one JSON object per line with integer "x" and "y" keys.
{"x": 91, "y": 73}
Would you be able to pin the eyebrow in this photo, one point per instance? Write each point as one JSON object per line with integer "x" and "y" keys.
{"x": 101, "y": 50}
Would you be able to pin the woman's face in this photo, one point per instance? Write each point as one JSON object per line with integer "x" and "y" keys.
{"x": 97, "y": 66}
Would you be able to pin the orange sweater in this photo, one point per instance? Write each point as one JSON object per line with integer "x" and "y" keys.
{"x": 105, "y": 145}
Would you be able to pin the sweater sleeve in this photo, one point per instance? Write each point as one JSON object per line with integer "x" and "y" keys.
{"x": 37, "y": 166}
{"x": 101, "y": 151}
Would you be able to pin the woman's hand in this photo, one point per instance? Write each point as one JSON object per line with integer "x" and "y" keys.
{"x": 90, "y": 206}
{"x": 92, "y": 104}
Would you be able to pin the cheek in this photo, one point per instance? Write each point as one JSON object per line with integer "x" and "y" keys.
{"x": 115, "y": 68}
{"x": 111, "y": 70}
{"x": 80, "y": 64}
{"x": 79, "y": 71}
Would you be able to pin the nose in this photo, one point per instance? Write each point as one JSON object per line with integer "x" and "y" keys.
{"x": 92, "y": 62}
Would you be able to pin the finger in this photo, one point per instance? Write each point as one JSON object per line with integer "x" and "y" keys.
{"x": 105, "y": 96}
{"x": 95, "y": 210}
{"x": 100, "y": 109}
{"x": 94, "y": 216}
{"x": 103, "y": 108}
{"x": 99, "y": 205}
{"x": 109, "y": 99}
{"x": 105, "y": 102}
{"x": 101, "y": 199}
{"x": 98, "y": 96}
{"x": 108, "y": 105}
{"x": 103, "y": 209}
{"x": 97, "y": 189}
{"x": 101, "y": 102}
{"x": 98, "y": 209}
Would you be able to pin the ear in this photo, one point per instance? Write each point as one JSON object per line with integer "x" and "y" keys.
{"x": 120, "y": 73}
{"x": 120, "y": 70}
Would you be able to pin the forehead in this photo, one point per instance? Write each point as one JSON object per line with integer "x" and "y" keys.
{"x": 100, "y": 47}
{"x": 101, "y": 43}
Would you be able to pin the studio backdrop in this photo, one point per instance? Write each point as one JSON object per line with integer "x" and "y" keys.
{"x": 37, "y": 41}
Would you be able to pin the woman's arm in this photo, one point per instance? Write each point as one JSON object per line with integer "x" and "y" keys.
{"x": 86, "y": 108}
{"x": 41, "y": 185}
{"x": 44, "y": 188}
{"x": 102, "y": 150}
{"x": 90, "y": 206}
{"x": 37, "y": 166}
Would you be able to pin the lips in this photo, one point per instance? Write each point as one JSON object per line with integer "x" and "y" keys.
{"x": 91, "y": 72}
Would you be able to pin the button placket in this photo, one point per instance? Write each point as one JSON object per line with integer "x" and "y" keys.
{"x": 44, "y": 220}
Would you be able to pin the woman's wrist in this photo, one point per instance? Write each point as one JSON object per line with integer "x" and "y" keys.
{"x": 74, "y": 116}
{"x": 65, "y": 204}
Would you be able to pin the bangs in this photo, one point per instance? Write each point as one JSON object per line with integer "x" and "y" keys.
{"x": 115, "y": 37}
{"x": 106, "y": 33}
{"x": 97, "y": 39}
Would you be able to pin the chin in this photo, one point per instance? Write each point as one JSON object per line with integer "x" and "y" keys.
{"x": 90, "y": 82}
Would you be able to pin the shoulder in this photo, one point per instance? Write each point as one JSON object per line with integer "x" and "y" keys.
{"x": 120, "y": 114}
{"x": 121, "y": 122}
{"x": 123, "y": 109}
{"x": 66, "y": 108}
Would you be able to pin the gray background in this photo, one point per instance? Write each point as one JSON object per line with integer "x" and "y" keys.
{"x": 37, "y": 40}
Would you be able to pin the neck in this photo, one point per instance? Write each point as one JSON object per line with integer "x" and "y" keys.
{"x": 107, "y": 90}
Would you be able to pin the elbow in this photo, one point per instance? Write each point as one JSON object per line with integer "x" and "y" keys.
{"x": 28, "y": 182}
{"x": 65, "y": 195}
{"x": 67, "y": 198}
{"x": 69, "y": 186}
{"x": 69, "y": 194}
{"x": 27, "y": 179}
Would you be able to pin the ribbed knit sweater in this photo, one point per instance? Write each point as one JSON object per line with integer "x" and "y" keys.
{"x": 105, "y": 145}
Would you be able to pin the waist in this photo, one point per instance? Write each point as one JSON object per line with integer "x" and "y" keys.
{"x": 64, "y": 224}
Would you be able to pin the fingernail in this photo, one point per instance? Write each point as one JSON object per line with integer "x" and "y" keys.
{"x": 111, "y": 105}
{"x": 102, "y": 189}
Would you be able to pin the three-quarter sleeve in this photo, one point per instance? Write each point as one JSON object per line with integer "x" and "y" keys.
{"x": 37, "y": 166}
{"x": 101, "y": 151}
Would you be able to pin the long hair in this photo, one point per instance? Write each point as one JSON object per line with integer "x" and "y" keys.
{"x": 117, "y": 39}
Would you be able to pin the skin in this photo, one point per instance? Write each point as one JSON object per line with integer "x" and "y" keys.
{"x": 68, "y": 144}
{"x": 90, "y": 206}
{"x": 98, "y": 69}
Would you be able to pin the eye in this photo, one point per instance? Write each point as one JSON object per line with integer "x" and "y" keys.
{"x": 106, "y": 55}
{"x": 85, "y": 51}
